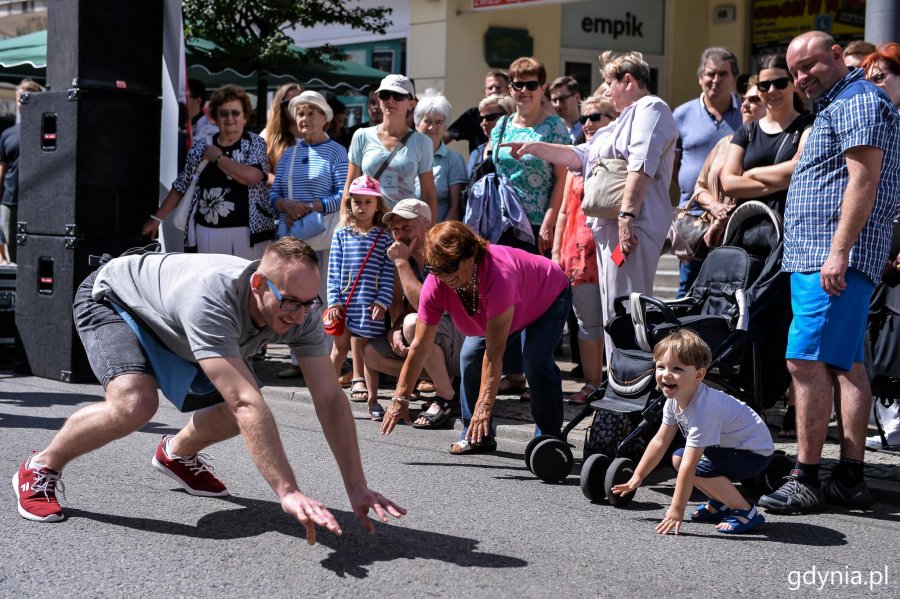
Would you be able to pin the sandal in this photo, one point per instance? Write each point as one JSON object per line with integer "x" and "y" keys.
{"x": 741, "y": 521}
{"x": 579, "y": 398}
{"x": 788, "y": 424}
{"x": 435, "y": 419}
{"x": 345, "y": 380}
{"x": 425, "y": 386}
{"x": 703, "y": 513}
{"x": 357, "y": 394}
{"x": 376, "y": 412}
{"x": 526, "y": 396}
{"x": 464, "y": 447}
{"x": 509, "y": 386}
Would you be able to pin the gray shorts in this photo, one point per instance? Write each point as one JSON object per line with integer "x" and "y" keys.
{"x": 111, "y": 346}
{"x": 448, "y": 338}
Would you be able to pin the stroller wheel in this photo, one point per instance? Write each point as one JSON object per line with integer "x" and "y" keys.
{"x": 593, "y": 476}
{"x": 530, "y": 448}
{"x": 769, "y": 479}
{"x": 551, "y": 460}
{"x": 619, "y": 471}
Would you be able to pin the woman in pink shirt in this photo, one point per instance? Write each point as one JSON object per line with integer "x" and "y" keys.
{"x": 491, "y": 292}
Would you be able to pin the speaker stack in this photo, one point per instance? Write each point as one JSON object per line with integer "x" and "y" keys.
{"x": 89, "y": 166}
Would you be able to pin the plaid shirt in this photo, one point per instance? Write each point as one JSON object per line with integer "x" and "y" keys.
{"x": 852, "y": 113}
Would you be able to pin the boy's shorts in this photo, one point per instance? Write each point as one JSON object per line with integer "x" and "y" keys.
{"x": 827, "y": 328}
{"x": 736, "y": 464}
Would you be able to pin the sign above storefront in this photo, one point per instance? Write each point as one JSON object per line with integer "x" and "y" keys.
{"x": 502, "y": 46}
{"x": 494, "y": 4}
{"x": 633, "y": 25}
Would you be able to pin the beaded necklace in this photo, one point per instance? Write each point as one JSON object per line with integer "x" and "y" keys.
{"x": 471, "y": 289}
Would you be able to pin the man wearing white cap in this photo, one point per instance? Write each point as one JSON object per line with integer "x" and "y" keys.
{"x": 408, "y": 221}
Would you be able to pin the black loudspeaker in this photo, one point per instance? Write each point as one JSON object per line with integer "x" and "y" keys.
{"x": 8, "y": 304}
{"x": 50, "y": 269}
{"x": 105, "y": 44}
{"x": 89, "y": 163}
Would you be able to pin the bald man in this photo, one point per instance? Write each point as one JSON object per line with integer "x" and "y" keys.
{"x": 837, "y": 229}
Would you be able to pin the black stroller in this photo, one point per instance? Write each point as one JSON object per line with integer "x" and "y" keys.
{"x": 739, "y": 305}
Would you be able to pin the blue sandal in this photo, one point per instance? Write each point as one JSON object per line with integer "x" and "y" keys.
{"x": 703, "y": 513}
{"x": 753, "y": 520}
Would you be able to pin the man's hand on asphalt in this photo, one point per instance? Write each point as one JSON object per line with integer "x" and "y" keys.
{"x": 367, "y": 499}
{"x": 310, "y": 513}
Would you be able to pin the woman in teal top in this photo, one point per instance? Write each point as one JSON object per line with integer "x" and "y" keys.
{"x": 538, "y": 184}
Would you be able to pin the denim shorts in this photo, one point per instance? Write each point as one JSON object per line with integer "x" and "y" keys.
{"x": 735, "y": 464}
{"x": 111, "y": 346}
{"x": 828, "y": 328}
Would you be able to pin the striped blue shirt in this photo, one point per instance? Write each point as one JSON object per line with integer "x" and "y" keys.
{"x": 853, "y": 113}
{"x": 376, "y": 283}
{"x": 319, "y": 173}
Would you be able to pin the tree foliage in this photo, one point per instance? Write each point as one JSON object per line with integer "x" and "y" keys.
{"x": 256, "y": 31}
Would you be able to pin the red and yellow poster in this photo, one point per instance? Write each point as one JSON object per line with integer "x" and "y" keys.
{"x": 776, "y": 22}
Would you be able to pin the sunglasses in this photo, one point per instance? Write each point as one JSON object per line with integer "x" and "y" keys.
{"x": 492, "y": 116}
{"x": 292, "y": 305}
{"x": 447, "y": 269}
{"x": 224, "y": 114}
{"x": 529, "y": 85}
{"x": 780, "y": 83}
{"x": 594, "y": 117}
{"x": 385, "y": 95}
{"x": 878, "y": 78}
{"x": 753, "y": 99}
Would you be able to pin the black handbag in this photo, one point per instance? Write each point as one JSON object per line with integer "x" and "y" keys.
{"x": 685, "y": 238}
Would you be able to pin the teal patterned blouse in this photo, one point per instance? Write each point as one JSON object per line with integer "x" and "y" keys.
{"x": 531, "y": 178}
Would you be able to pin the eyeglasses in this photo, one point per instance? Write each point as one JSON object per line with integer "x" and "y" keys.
{"x": 560, "y": 99}
{"x": 529, "y": 85}
{"x": 224, "y": 114}
{"x": 878, "y": 78}
{"x": 753, "y": 99}
{"x": 780, "y": 83}
{"x": 446, "y": 269}
{"x": 594, "y": 117}
{"x": 385, "y": 95}
{"x": 292, "y": 305}
{"x": 492, "y": 116}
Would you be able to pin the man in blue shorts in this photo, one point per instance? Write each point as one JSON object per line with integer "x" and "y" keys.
{"x": 837, "y": 229}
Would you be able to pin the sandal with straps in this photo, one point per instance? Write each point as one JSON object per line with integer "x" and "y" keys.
{"x": 751, "y": 519}
{"x": 703, "y": 513}
{"x": 436, "y": 419}
{"x": 357, "y": 394}
{"x": 466, "y": 447}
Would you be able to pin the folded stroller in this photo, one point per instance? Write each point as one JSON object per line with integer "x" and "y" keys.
{"x": 739, "y": 305}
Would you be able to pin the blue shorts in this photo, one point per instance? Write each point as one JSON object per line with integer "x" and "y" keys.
{"x": 736, "y": 464}
{"x": 827, "y": 328}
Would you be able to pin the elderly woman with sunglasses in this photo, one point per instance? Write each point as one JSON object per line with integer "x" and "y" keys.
{"x": 371, "y": 149}
{"x": 763, "y": 154}
{"x": 882, "y": 67}
{"x": 575, "y": 251}
{"x": 230, "y": 212}
{"x": 490, "y": 292}
{"x": 644, "y": 136}
{"x": 431, "y": 116}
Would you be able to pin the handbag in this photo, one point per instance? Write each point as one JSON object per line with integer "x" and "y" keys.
{"x": 605, "y": 188}
{"x": 686, "y": 234}
{"x": 336, "y": 328}
{"x": 310, "y": 225}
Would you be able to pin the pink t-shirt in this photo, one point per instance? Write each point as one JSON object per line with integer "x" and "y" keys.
{"x": 507, "y": 277}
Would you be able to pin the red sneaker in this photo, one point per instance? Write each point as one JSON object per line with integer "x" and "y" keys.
{"x": 193, "y": 474}
{"x": 36, "y": 492}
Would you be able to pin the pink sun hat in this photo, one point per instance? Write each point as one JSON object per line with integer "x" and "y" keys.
{"x": 365, "y": 186}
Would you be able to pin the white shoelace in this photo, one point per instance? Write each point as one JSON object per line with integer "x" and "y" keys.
{"x": 46, "y": 483}
{"x": 197, "y": 464}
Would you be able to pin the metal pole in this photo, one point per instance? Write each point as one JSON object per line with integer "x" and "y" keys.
{"x": 882, "y": 21}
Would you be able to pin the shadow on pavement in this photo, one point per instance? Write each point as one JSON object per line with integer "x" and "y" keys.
{"x": 54, "y": 424}
{"x": 352, "y": 553}
{"x": 34, "y": 399}
{"x": 789, "y": 533}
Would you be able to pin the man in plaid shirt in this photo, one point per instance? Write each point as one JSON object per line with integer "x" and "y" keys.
{"x": 837, "y": 229}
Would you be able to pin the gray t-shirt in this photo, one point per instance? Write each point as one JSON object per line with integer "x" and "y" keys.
{"x": 716, "y": 419}
{"x": 399, "y": 179}
{"x": 198, "y": 305}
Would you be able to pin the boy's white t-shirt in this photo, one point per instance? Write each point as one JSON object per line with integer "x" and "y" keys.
{"x": 714, "y": 418}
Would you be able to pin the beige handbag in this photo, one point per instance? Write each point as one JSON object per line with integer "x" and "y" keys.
{"x": 605, "y": 188}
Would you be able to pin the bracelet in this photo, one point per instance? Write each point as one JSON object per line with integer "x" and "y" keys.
{"x": 156, "y": 218}
{"x": 400, "y": 399}
{"x": 623, "y": 214}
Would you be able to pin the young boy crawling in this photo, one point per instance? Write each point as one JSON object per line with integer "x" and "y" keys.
{"x": 726, "y": 440}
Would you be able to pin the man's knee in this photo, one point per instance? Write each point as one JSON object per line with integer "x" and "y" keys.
{"x": 133, "y": 399}
{"x": 676, "y": 462}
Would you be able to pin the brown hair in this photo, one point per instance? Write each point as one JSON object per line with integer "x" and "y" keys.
{"x": 347, "y": 218}
{"x": 859, "y": 48}
{"x": 278, "y": 133}
{"x": 525, "y": 66}
{"x": 451, "y": 241}
{"x": 687, "y": 347}
{"x": 229, "y": 93}
{"x": 602, "y": 105}
{"x": 29, "y": 85}
{"x": 291, "y": 248}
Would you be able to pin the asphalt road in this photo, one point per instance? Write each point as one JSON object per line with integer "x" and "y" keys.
{"x": 478, "y": 526}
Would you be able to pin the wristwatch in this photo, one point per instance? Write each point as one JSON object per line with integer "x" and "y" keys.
{"x": 623, "y": 214}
